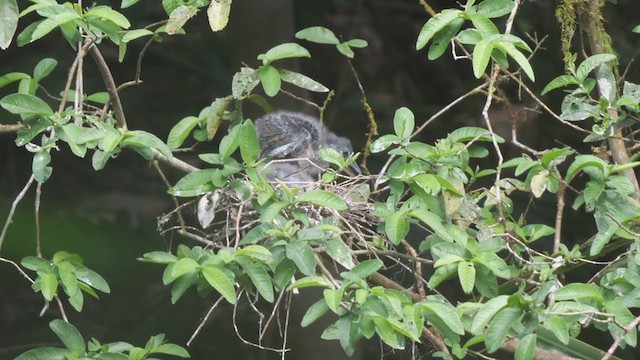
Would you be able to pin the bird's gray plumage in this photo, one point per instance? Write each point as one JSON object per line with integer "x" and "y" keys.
{"x": 290, "y": 135}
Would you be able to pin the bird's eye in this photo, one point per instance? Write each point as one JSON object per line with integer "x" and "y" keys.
{"x": 346, "y": 154}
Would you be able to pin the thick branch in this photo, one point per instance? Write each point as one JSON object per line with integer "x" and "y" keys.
{"x": 111, "y": 86}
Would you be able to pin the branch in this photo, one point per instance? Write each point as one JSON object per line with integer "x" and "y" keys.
{"x": 111, "y": 86}
{"x": 174, "y": 162}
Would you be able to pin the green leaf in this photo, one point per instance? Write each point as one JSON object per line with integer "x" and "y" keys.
{"x": 9, "y": 23}
{"x": 45, "y": 353}
{"x": 484, "y": 25}
{"x": 92, "y": 278}
{"x": 260, "y": 279}
{"x": 256, "y": 252}
{"x": 107, "y": 13}
{"x": 314, "y": 312}
{"x": 36, "y": 264}
{"x": 249, "y": 144}
{"x": 159, "y": 257}
{"x": 435, "y": 24}
{"x": 270, "y": 79}
{"x": 144, "y": 139}
{"x": 283, "y": 51}
{"x": 39, "y": 167}
{"x": 318, "y": 34}
{"x": 403, "y": 123}
{"x": 311, "y": 281}
{"x": 558, "y": 326}
{"x": 127, "y": 3}
{"x": 69, "y": 335}
{"x": 301, "y": 81}
{"x": 526, "y": 348}
{"x": 467, "y": 276}
{"x": 180, "y": 131}
{"x": 170, "y": 349}
{"x": 183, "y": 266}
{"x": 340, "y": 252}
{"x": 357, "y": 43}
{"x": 44, "y": 68}
{"x": 134, "y": 34}
{"x": 366, "y": 268}
{"x": 49, "y": 24}
{"x": 487, "y": 312}
{"x": 345, "y": 50}
{"x": 443, "y": 38}
{"x": 577, "y": 291}
{"x": 8, "y": 78}
{"x": 591, "y": 63}
{"x": 221, "y": 280}
{"x": 332, "y": 298}
{"x": 303, "y": 256}
{"x": 433, "y": 221}
{"x": 584, "y": 161}
{"x": 447, "y": 313}
{"x": 396, "y": 226}
{"x": 481, "y": 56}
{"x": 68, "y": 276}
{"x": 518, "y": 57}
{"x": 25, "y": 105}
{"x": 494, "y": 8}
{"x": 48, "y": 285}
{"x": 472, "y": 133}
{"x": 322, "y": 198}
{"x": 560, "y": 81}
{"x": 499, "y": 326}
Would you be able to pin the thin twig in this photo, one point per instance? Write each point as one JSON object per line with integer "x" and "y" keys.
{"x": 13, "y": 208}
{"x": 37, "y": 218}
{"x": 625, "y": 330}
{"x": 204, "y": 321}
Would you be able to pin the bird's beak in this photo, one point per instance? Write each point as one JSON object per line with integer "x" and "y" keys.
{"x": 353, "y": 169}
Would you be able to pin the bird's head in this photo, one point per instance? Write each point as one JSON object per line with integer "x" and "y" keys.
{"x": 342, "y": 145}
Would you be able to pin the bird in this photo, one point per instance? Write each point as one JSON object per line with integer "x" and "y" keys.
{"x": 297, "y": 136}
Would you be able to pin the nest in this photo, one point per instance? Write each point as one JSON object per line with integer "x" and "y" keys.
{"x": 224, "y": 216}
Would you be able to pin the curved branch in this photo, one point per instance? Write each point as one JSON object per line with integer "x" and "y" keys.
{"x": 107, "y": 77}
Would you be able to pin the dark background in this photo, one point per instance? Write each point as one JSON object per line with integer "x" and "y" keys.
{"x": 109, "y": 217}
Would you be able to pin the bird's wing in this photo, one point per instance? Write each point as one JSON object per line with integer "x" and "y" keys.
{"x": 284, "y": 135}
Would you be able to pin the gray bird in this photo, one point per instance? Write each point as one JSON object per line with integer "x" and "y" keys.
{"x": 289, "y": 135}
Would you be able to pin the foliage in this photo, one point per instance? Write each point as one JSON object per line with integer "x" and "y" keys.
{"x": 283, "y": 238}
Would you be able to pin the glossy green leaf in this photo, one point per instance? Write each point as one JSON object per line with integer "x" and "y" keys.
{"x": 68, "y": 277}
{"x": 443, "y": 38}
{"x": 403, "y": 122}
{"x": 576, "y": 291}
{"x": 284, "y": 51}
{"x": 591, "y": 63}
{"x": 50, "y": 23}
{"x": 249, "y": 144}
{"x": 481, "y": 56}
{"x": 25, "y": 105}
{"x": 322, "y": 198}
{"x": 260, "y": 279}
{"x": 494, "y": 8}
{"x": 44, "y": 68}
{"x": 314, "y": 312}
{"x": 560, "y": 81}
{"x": 8, "y": 78}
{"x": 435, "y": 24}
{"x": 487, "y": 312}
{"x": 516, "y": 55}
{"x": 180, "y": 131}
{"x": 108, "y": 14}
{"x": 270, "y": 79}
{"x": 220, "y": 280}
{"x": 396, "y": 226}
{"x": 183, "y": 266}
{"x": 135, "y": 34}
{"x": 146, "y": 140}
{"x": 69, "y": 335}
{"x": 318, "y": 34}
{"x": 526, "y": 348}
{"x": 311, "y": 281}
{"x": 303, "y": 256}
{"x": 48, "y": 285}
{"x": 499, "y": 326}
{"x": 340, "y": 252}
{"x": 366, "y": 268}
{"x": 447, "y": 313}
{"x": 92, "y": 278}
{"x": 48, "y": 353}
{"x": 345, "y": 50}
